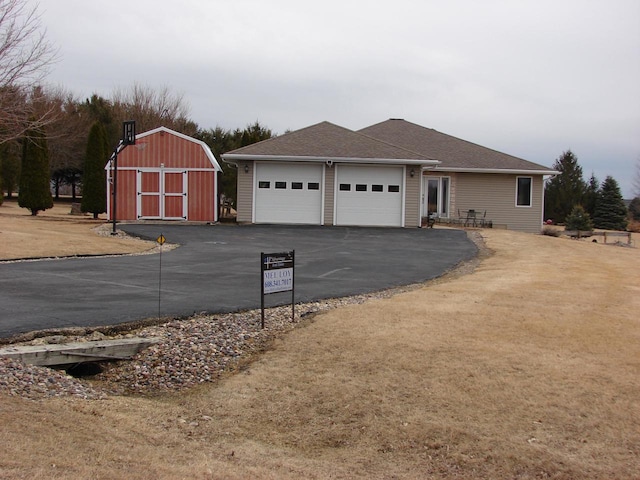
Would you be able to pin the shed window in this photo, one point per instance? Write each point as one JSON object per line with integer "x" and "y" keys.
{"x": 394, "y": 188}
{"x": 345, "y": 187}
{"x": 296, "y": 185}
{"x": 360, "y": 187}
{"x": 281, "y": 185}
{"x": 377, "y": 188}
{"x": 313, "y": 186}
{"x": 264, "y": 184}
{"x": 524, "y": 191}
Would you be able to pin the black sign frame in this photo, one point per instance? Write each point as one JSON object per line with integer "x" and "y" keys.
{"x": 272, "y": 264}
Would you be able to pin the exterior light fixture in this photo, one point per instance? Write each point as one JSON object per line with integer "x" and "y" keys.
{"x": 412, "y": 172}
{"x": 246, "y": 168}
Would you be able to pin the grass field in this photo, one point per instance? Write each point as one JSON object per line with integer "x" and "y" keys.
{"x": 526, "y": 368}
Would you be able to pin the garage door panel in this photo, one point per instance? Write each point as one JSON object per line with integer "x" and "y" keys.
{"x": 288, "y": 193}
{"x": 368, "y": 195}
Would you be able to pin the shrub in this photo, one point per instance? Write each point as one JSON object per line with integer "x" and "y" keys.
{"x": 578, "y": 219}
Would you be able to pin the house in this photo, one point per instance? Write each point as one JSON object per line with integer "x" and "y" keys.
{"x": 390, "y": 174}
{"x": 165, "y": 176}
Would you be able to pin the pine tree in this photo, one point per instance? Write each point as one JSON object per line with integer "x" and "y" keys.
{"x": 634, "y": 209}
{"x": 35, "y": 191}
{"x": 591, "y": 195}
{"x": 610, "y": 212}
{"x": 565, "y": 190}
{"x": 94, "y": 187}
{"x": 579, "y": 220}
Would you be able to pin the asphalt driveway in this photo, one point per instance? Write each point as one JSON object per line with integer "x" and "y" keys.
{"x": 217, "y": 269}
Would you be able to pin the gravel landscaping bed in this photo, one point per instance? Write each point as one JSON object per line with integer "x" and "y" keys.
{"x": 190, "y": 352}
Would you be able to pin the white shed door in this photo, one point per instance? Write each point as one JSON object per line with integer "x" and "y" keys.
{"x": 288, "y": 193}
{"x": 369, "y": 196}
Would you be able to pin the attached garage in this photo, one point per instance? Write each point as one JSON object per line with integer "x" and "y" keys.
{"x": 369, "y": 195}
{"x": 328, "y": 175}
{"x": 165, "y": 176}
{"x": 288, "y": 193}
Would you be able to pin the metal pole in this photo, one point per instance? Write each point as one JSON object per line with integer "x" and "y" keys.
{"x": 293, "y": 285}
{"x": 115, "y": 185}
{"x": 160, "y": 281}
{"x": 262, "y": 287}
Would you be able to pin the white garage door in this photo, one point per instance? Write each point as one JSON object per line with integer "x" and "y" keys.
{"x": 288, "y": 193}
{"x": 371, "y": 196}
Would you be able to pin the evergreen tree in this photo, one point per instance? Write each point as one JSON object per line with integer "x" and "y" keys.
{"x": 579, "y": 220}
{"x": 9, "y": 167}
{"x": 610, "y": 211}
{"x": 35, "y": 192}
{"x": 565, "y": 190}
{"x": 94, "y": 187}
{"x": 634, "y": 209}
{"x": 221, "y": 141}
{"x": 591, "y": 195}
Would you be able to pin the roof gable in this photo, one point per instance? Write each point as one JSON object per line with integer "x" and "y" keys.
{"x": 323, "y": 141}
{"x": 148, "y": 135}
{"x": 454, "y": 153}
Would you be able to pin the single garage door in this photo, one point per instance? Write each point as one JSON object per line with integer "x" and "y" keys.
{"x": 369, "y": 195}
{"x": 288, "y": 193}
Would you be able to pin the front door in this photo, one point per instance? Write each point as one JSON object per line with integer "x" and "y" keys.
{"x": 435, "y": 196}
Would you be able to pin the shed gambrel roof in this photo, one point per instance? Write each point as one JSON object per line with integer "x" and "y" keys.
{"x": 325, "y": 141}
{"x": 205, "y": 148}
{"x": 454, "y": 153}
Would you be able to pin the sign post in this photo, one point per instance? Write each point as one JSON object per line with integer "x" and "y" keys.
{"x": 277, "y": 275}
{"x": 160, "y": 241}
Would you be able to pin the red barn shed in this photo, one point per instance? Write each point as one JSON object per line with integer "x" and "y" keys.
{"x": 166, "y": 175}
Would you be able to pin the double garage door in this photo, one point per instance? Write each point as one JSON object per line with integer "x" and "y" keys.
{"x": 363, "y": 195}
{"x": 161, "y": 194}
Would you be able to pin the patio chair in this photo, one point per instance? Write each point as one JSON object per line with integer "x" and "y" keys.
{"x": 471, "y": 218}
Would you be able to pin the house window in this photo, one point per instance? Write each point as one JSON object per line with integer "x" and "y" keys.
{"x": 524, "y": 191}
{"x": 345, "y": 187}
{"x": 264, "y": 184}
{"x": 296, "y": 185}
{"x": 313, "y": 186}
{"x": 360, "y": 187}
{"x": 393, "y": 188}
{"x": 377, "y": 188}
{"x": 281, "y": 185}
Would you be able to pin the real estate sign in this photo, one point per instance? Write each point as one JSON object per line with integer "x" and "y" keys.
{"x": 277, "y": 271}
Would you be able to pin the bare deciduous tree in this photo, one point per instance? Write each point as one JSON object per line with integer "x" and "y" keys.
{"x": 25, "y": 55}
{"x": 153, "y": 108}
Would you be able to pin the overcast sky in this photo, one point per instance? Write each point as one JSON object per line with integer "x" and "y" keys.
{"x": 528, "y": 78}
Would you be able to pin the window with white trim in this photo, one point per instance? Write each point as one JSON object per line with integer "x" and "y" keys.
{"x": 524, "y": 191}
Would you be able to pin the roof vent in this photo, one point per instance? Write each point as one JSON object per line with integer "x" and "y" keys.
{"x": 402, "y": 119}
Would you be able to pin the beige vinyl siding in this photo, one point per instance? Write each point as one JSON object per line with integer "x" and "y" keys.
{"x": 496, "y": 193}
{"x": 412, "y": 197}
{"x": 244, "y": 204}
{"x": 329, "y": 195}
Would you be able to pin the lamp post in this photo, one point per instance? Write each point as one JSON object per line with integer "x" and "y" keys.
{"x": 128, "y": 138}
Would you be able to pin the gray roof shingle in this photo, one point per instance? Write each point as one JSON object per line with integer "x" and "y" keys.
{"x": 454, "y": 153}
{"x": 326, "y": 140}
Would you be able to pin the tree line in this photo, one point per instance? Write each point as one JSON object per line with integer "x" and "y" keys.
{"x": 73, "y": 148}
{"x": 583, "y": 205}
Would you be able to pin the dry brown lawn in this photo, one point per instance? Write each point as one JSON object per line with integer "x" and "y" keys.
{"x": 526, "y": 368}
{"x": 55, "y": 232}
